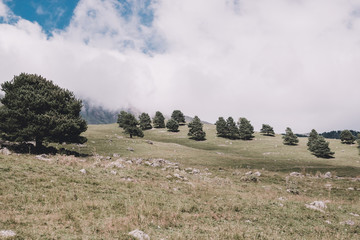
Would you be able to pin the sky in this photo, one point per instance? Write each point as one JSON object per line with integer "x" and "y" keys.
{"x": 287, "y": 63}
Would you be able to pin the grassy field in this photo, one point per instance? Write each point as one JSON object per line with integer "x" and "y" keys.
{"x": 49, "y": 198}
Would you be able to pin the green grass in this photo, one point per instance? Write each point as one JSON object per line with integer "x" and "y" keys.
{"x": 54, "y": 200}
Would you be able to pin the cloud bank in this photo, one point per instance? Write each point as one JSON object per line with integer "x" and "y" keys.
{"x": 283, "y": 62}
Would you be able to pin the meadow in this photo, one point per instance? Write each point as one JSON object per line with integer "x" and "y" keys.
{"x": 210, "y": 194}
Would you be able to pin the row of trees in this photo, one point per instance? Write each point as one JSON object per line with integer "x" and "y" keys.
{"x": 135, "y": 127}
{"x": 229, "y": 129}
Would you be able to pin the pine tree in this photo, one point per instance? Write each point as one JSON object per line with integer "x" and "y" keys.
{"x": 290, "y": 138}
{"x": 221, "y": 127}
{"x": 320, "y": 148}
{"x": 178, "y": 116}
{"x": 246, "y": 130}
{"x": 267, "y": 130}
{"x": 35, "y": 109}
{"x": 358, "y": 140}
{"x": 145, "y": 121}
{"x": 130, "y": 127}
{"x": 195, "y": 129}
{"x": 159, "y": 120}
{"x": 346, "y": 137}
{"x": 121, "y": 116}
{"x": 172, "y": 125}
{"x": 312, "y": 138}
{"x": 231, "y": 129}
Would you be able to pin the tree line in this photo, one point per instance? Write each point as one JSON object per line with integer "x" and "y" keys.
{"x": 35, "y": 109}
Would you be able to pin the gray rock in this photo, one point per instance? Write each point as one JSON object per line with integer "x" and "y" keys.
{"x": 7, "y": 233}
{"x": 296, "y": 174}
{"x": 140, "y": 235}
{"x": 5, "y": 151}
{"x": 327, "y": 175}
{"x": 130, "y": 149}
{"x": 83, "y": 171}
{"x": 317, "y": 205}
{"x": 43, "y": 157}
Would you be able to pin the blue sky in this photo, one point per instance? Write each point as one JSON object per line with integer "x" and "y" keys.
{"x": 56, "y": 14}
{"x": 287, "y": 63}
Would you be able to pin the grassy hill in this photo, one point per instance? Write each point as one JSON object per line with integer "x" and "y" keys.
{"x": 208, "y": 195}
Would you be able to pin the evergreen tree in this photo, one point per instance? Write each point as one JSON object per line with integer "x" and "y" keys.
{"x": 159, "y": 120}
{"x": 232, "y": 130}
{"x": 290, "y": 138}
{"x": 195, "y": 129}
{"x": 172, "y": 125}
{"x": 178, "y": 116}
{"x": 320, "y": 148}
{"x": 312, "y": 138}
{"x": 246, "y": 130}
{"x": 121, "y": 116}
{"x": 130, "y": 127}
{"x": 346, "y": 137}
{"x": 267, "y": 130}
{"x": 221, "y": 127}
{"x": 145, "y": 121}
{"x": 358, "y": 140}
{"x": 35, "y": 109}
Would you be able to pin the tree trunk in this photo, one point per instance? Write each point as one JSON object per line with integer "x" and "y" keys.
{"x": 39, "y": 145}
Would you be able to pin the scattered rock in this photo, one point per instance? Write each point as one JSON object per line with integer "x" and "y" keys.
{"x": 328, "y": 186}
{"x": 113, "y": 172}
{"x": 248, "y": 221}
{"x": 351, "y": 189}
{"x": 354, "y": 214}
{"x": 127, "y": 179}
{"x": 130, "y": 149}
{"x": 348, "y": 222}
{"x": 140, "y": 235}
{"x": 328, "y": 175}
{"x": 7, "y": 233}
{"x": 328, "y": 222}
{"x": 258, "y": 174}
{"x": 43, "y": 157}
{"x": 5, "y": 151}
{"x": 317, "y": 205}
{"x": 282, "y": 199}
{"x": 115, "y": 155}
{"x": 149, "y": 142}
{"x": 83, "y": 171}
{"x": 296, "y": 174}
{"x": 108, "y": 158}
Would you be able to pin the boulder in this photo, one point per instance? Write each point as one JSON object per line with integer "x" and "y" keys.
{"x": 296, "y": 174}
{"x": 83, "y": 171}
{"x": 140, "y": 235}
{"x": 327, "y": 175}
{"x": 5, "y": 151}
{"x": 317, "y": 205}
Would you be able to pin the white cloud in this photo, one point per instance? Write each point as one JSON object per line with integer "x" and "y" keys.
{"x": 283, "y": 62}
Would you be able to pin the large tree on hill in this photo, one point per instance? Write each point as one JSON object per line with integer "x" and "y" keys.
{"x": 231, "y": 129}
{"x": 246, "y": 130}
{"x": 130, "y": 125}
{"x": 159, "y": 120}
{"x": 221, "y": 129}
{"x": 172, "y": 125}
{"x": 178, "y": 116}
{"x": 35, "y": 109}
{"x": 195, "y": 129}
{"x": 145, "y": 121}
{"x": 313, "y": 136}
{"x": 346, "y": 137}
{"x": 267, "y": 130}
{"x": 358, "y": 140}
{"x": 290, "y": 138}
{"x": 320, "y": 148}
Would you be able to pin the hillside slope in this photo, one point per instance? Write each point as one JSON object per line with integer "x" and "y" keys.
{"x": 171, "y": 187}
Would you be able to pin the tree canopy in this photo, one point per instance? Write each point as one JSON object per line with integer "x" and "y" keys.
{"x": 172, "y": 125}
{"x": 267, "y": 130}
{"x": 195, "y": 129}
{"x": 121, "y": 118}
{"x": 145, "y": 121}
{"x": 221, "y": 129}
{"x": 246, "y": 130}
{"x": 358, "y": 140}
{"x": 311, "y": 139}
{"x": 232, "y": 131}
{"x": 290, "y": 138}
{"x": 130, "y": 125}
{"x": 346, "y": 137}
{"x": 159, "y": 120}
{"x": 178, "y": 116}
{"x": 35, "y": 109}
